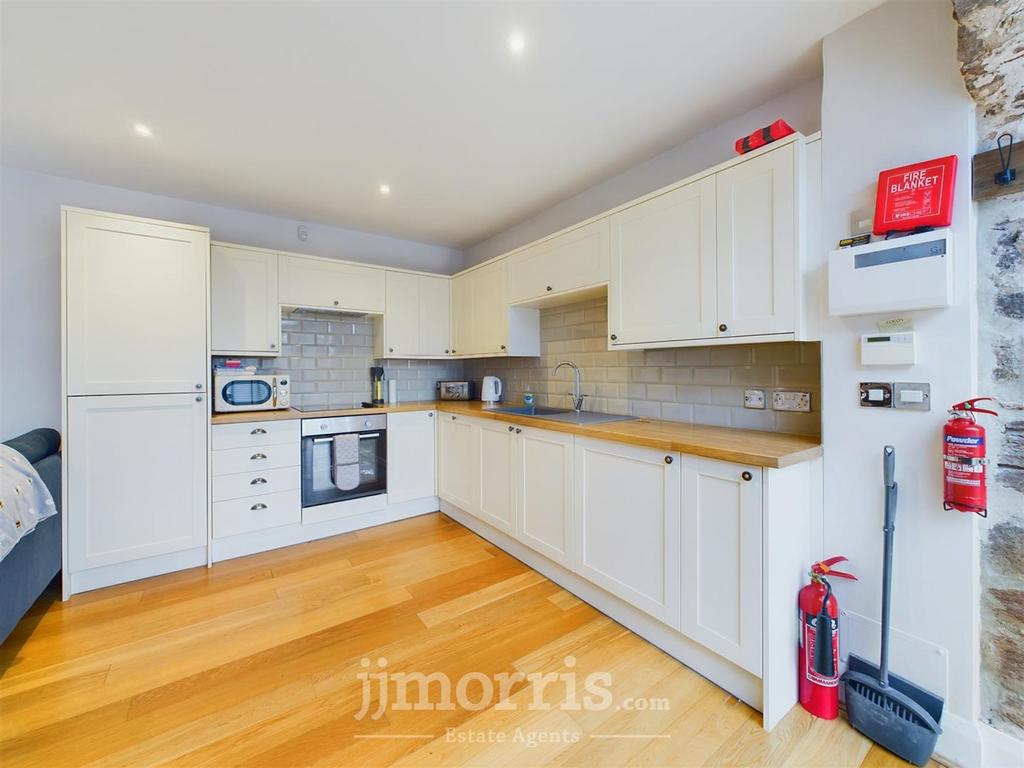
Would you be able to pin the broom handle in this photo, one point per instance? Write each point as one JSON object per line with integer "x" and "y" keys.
{"x": 889, "y": 466}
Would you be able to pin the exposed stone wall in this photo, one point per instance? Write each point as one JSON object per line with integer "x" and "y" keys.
{"x": 991, "y": 47}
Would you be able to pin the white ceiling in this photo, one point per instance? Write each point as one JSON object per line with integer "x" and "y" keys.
{"x": 304, "y": 109}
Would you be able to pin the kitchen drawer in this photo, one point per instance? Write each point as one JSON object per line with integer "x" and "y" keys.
{"x": 258, "y": 483}
{"x": 255, "y": 459}
{"x": 255, "y": 433}
{"x": 254, "y": 514}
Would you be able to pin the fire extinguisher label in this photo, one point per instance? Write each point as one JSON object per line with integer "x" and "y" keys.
{"x": 810, "y": 639}
{"x": 959, "y": 440}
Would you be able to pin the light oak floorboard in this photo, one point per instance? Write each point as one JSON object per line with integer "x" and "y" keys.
{"x": 256, "y": 662}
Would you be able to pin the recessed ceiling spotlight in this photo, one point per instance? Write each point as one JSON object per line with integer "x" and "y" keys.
{"x": 143, "y": 130}
{"x": 385, "y": 189}
{"x": 517, "y": 43}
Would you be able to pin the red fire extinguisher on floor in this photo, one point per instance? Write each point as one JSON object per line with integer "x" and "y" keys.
{"x": 963, "y": 459}
{"x": 819, "y": 641}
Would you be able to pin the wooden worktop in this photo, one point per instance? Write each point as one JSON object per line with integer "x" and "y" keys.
{"x": 744, "y": 446}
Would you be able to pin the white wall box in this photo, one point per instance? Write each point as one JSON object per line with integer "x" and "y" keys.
{"x": 317, "y": 283}
{"x": 135, "y": 296}
{"x": 484, "y": 325}
{"x": 245, "y": 318}
{"x": 908, "y": 273}
{"x": 561, "y": 267}
{"x": 136, "y": 478}
{"x": 417, "y": 317}
{"x": 411, "y": 464}
{"x": 628, "y": 507}
{"x": 721, "y": 524}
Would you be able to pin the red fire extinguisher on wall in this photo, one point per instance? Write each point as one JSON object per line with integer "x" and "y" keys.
{"x": 963, "y": 459}
{"x": 819, "y": 641}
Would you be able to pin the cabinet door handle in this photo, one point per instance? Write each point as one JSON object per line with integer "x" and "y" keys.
{"x": 502, "y": 347}
{"x": 258, "y": 431}
{"x": 258, "y": 481}
{"x": 511, "y": 428}
{"x": 453, "y": 418}
{"x": 257, "y": 507}
{"x": 747, "y": 476}
{"x": 430, "y": 415}
{"x": 199, "y": 386}
{"x": 549, "y": 287}
{"x": 668, "y": 459}
{"x": 447, "y": 352}
{"x": 391, "y": 349}
{"x": 723, "y": 328}
{"x": 518, "y": 431}
{"x": 335, "y": 302}
{"x": 199, "y": 398}
{"x": 257, "y": 457}
{"x": 614, "y": 337}
{"x": 273, "y": 345}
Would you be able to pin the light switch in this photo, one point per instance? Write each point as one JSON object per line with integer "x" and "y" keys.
{"x": 875, "y": 394}
{"x": 912, "y": 396}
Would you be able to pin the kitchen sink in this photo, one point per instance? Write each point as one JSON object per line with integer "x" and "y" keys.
{"x": 559, "y": 414}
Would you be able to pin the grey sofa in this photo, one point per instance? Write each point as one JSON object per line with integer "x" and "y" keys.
{"x": 35, "y": 560}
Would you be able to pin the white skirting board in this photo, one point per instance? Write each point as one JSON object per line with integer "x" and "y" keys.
{"x": 105, "y": 576}
{"x": 732, "y": 678}
{"x": 287, "y": 535}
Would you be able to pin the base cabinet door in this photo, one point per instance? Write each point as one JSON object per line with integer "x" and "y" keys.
{"x": 136, "y": 477}
{"x": 458, "y": 447}
{"x": 245, "y": 317}
{"x": 627, "y": 513}
{"x": 411, "y": 464}
{"x": 544, "y": 480}
{"x": 721, "y": 559}
{"x": 495, "y": 476}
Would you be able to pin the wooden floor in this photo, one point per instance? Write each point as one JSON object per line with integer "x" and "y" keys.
{"x": 255, "y": 663}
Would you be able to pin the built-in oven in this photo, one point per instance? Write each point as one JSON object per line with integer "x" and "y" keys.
{"x": 343, "y": 457}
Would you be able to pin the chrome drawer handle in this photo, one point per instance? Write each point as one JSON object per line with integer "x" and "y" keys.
{"x": 257, "y": 457}
{"x": 258, "y": 481}
{"x": 258, "y": 431}
{"x": 257, "y": 507}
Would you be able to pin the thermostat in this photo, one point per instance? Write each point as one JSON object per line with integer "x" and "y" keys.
{"x": 888, "y": 349}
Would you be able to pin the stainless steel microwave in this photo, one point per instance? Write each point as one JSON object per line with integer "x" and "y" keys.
{"x": 250, "y": 392}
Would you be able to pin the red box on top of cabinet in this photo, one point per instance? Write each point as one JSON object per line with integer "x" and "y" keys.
{"x": 913, "y": 196}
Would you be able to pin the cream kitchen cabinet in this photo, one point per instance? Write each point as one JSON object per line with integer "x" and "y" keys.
{"x": 543, "y": 472}
{"x": 417, "y": 316}
{"x": 758, "y": 245}
{"x": 458, "y": 452}
{"x": 411, "y": 455}
{"x": 136, "y": 479}
{"x": 135, "y": 295}
{"x": 484, "y": 325}
{"x": 721, "y": 559}
{"x": 309, "y": 281}
{"x": 496, "y": 475}
{"x": 627, "y": 524}
{"x": 663, "y": 272}
{"x": 561, "y": 265}
{"x": 245, "y": 318}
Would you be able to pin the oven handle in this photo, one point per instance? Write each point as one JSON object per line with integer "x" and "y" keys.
{"x": 364, "y": 436}
{"x": 368, "y": 435}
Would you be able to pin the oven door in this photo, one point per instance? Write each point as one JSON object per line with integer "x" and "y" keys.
{"x": 318, "y": 486}
{"x": 244, "y": 394}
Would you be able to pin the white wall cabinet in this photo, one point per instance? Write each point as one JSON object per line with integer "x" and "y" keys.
{"x": 411, "y": 455}
{"x": 136, "y": 477}
{"x": 628, "y": 517}
{"x": 543, "y": 471}
{"x": 458, "y": 451}
{"x": 135, "y": 294}
{"x": 307, "y": 281}
{"x": 417, "y": 317}
{"x": 483, "y": 323}
{"x": 561, "y": 265}
{"x": 663, "y": 272}
{"x": 721, "y": 559}
{"x": 245, "y": 318}
{"x": 757, "y": 245}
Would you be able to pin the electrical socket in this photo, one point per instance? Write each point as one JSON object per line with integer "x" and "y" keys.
{"x": 754, "y": 398}
{"x": 783, "y": 400}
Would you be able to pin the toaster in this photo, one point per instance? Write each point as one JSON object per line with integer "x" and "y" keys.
{"x": 455, "y": 390}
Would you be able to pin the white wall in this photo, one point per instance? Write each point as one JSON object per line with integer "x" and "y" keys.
{"x": 30, "y": 273}
{"x": 801, "y": 108}
{"x": 893, "y": 95}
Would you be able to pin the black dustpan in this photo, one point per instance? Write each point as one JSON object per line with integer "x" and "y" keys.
{"x": 888, "y": 709}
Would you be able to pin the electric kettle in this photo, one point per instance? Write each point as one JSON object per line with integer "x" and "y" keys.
{"x": 490, "y": 392}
